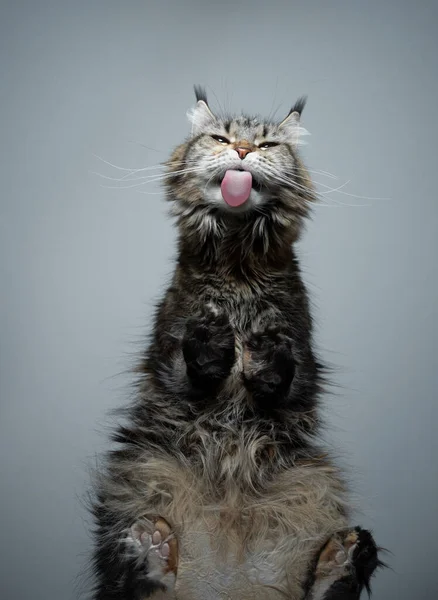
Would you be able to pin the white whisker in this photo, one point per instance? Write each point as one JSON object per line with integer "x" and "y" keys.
{"x": 144, "y": 146}
{"x": 215, "y": 172}
{"x": 152, "y": 179}
{"x": 323, "y": 173}
{"x": 110, "y": 164}
{"x": 127, "y": 176}
{"x": 340, "y": 191}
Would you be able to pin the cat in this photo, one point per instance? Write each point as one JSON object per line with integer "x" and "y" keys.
{"x": 217, "y": 486}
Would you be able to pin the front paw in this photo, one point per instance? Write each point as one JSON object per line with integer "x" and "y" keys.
{"x": 268, "y": 366}
{"x": 208, "y": 349}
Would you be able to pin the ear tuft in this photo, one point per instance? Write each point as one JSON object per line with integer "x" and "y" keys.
{"x": 291, "y": 124}
{"x": 200, "y": 115}
{"x": 298, "y": 107}
{"x": 200, "y": 93}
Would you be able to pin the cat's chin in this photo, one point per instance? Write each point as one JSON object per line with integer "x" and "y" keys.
{"x": 213, "y": 196}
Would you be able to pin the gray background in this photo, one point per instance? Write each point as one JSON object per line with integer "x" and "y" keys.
{"x": 81, "y": 264}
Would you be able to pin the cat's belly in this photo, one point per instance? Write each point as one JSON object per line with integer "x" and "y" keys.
{"x": 272, "y": 571}
{"x": 243, "y": 546}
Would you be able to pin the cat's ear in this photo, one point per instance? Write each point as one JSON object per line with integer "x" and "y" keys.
{"x": 291, "y": 125}
{"x": 200, "y": 115}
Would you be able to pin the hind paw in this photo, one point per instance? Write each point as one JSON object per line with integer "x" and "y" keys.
{"x": 345, "y": 565}
{"x": 352, "y": 548}
{"x": 156, "y": 550}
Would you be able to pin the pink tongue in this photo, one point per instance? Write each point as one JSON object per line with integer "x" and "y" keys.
{"x": 236, "y": 187}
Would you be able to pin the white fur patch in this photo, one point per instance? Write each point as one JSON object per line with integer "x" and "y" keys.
{"x": 293, "y": 129}
{"x": 200, "y": 116}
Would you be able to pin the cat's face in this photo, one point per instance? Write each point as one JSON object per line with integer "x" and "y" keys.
{"x": 240, "y": 165}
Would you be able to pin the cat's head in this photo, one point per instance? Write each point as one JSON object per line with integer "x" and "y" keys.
{"x": 240, "y": 166}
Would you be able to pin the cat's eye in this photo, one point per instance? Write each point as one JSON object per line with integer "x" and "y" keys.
{"x": 266, "y": 145}
{"x": 220, "y": 139}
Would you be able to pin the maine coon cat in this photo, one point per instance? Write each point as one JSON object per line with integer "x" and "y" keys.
{"x": 217, "y": 487}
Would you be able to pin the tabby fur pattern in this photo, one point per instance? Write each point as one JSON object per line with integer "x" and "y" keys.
{"x": 221, "y": 440}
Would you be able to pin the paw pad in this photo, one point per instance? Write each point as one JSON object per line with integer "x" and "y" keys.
{"x": 160, "y": 547}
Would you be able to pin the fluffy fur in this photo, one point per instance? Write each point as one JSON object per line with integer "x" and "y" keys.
{"x": 221, "y": 439}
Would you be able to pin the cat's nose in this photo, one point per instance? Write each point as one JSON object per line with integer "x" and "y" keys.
{"x": 242, "y": 151}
